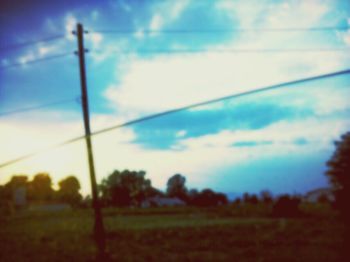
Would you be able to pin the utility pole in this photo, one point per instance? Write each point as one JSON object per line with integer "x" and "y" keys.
{"x": 99, "y": 231}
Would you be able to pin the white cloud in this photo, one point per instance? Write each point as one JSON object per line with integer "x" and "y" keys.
{"x": 245, "y": 12}
{"x": 302, "y": 14}
{"x": 44, "y": 49}
{"x": 70, "y": 22}
{"x": 282, "y": 134}
{"x": 167, "y": 12}
{"x": 139, "y": 34}
{"x": 96, "y": 39}
{"x": 163, "y": 82}
{"x": 26, "y": 58}
{"x": 37, "y": 135}
{"x": 178, "y": 8}
{"x": 108, "y": 50}
{"x": 181, "y": 133}
{"x": 156, "y": 22}
{"x": 166, "y": 82}
{"x": 287, "y": 14}
{"x": 345, "y": 36}
{"x": 200, "y": 157}
{"x": 95, "y": 15}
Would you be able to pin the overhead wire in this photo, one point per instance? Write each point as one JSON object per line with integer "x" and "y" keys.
{"x": 34, "y": 61}
{"x": 216, "y": 31}
{"x": 176, "y": 110}
{"x": 32, "y": 108}
{"x": 223, "y": 50}
{"x": 32, "y": 42}
{"x": 215, "y": 100}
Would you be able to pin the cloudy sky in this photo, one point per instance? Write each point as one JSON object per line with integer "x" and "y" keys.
{"x": 150, "y": 56}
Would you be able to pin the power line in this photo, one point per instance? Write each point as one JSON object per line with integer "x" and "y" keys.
{"x": 260, "y": 90}
{"x": 216, "y": 31}
{"x": 150, "y": 117}
{"x": 32, "y": 42}
{"x": 41, "y": 151}
{"x": 34, "y": 61}
{"x": 223, "y": 50}
{"x": 26, "y": 109}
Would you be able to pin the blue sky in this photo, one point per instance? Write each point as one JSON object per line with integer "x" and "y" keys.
{"x": 277, "y": 140}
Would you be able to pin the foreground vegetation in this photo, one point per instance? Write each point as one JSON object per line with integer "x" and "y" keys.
{"x": 174, "y": 234}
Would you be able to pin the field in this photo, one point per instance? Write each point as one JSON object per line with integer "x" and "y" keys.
{"x": 171, "y": 234}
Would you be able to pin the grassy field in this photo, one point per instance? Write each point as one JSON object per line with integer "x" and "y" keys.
{"x": 171, "y": 234}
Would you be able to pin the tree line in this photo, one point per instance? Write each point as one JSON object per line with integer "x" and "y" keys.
{"x": 39, "y": 189}
{"x": 131, "y": 188}
{"x": 120, "y": 188}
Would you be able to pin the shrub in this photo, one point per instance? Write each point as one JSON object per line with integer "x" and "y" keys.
{"x": 286, "y": 206}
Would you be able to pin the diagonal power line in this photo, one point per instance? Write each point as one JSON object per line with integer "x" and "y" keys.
{"x": 173, "y": 111}
{"x": 255, "y": 91}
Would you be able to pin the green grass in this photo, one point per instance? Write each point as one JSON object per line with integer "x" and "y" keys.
{"x": 170, "y": 234}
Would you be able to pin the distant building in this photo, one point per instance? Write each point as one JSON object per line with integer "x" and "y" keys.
{"x": 318, "y": 194}
{"x": 158, "y": 201}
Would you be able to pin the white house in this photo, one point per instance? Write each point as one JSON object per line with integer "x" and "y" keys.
{"x": 314, "y": 195}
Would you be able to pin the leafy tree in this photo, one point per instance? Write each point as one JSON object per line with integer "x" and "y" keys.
{"x": 246, "y": 197}
{"x": 237, "y": 201}
{"x": 266, "y": 197}
{"x": 2, "y": 192}
{"x": 126, "y": 188}
{"x": 323, "y": 199}
{"x": 69, "y": 191}
{"x": 251, "y": 199}
{"x": 40, "y": 187}
{"x": 206, "y": 198}
{"x": 176, "y": 187}
{"x": 339, "y": 174}
{"x": 16, "y": 181}
{"x": 286, "y": 206}
{"x": 192, "y": 195}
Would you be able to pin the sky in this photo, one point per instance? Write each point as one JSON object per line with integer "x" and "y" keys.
{"x": 146, "y": 57}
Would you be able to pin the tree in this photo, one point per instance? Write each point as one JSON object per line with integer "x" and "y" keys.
{"x": 126, "y": 188}
{"x": 339, "y": 174}
{"x": 286, "y": 206}
{"x": 266, "y": 197}
{"x": 69, "y": 191}
{"x": 16, "y": 181}
{"x": 206, "y": 198}
{"x": 40, "y": 187}
{"x": 176, "y": 187}
{"x": 251, "y": 199}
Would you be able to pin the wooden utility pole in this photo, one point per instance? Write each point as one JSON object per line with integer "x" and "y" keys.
{"x": 99, "y": 232}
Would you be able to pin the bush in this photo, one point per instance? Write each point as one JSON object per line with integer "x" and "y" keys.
{"x": 286, "y": 206}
